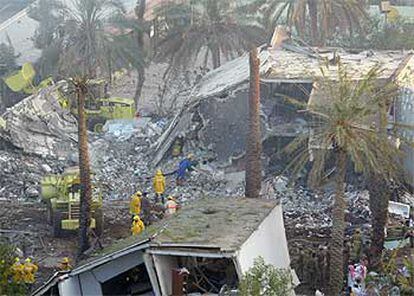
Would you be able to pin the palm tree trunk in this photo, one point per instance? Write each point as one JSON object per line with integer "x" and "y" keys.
{"x": 140, "y": 12}
{"x": 313, "y": 13}
{"x": 338, "y": 229}
{"x": 215, "y": 54}
{"x": 140, "y": 84}
{"x": 85, "y": 175}
{"x": 254, "y": 141}
{"x": 379, "y": 196}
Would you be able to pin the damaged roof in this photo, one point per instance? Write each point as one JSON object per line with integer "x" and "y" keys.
{"x": 296, "y": 64}
{"x": 289, "y": 65}
{"x": 217, "y": 223}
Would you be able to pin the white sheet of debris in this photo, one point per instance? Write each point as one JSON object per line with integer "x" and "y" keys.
{"x": 39, "y": 125}
{"x": 398, "y": 208}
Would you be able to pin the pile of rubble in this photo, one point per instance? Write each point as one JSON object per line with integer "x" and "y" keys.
{"x": 121, "y": 164}
{"x": 20, "y": 174}
{"x": 39, "y": 125}
{"x": 307, "y": 214}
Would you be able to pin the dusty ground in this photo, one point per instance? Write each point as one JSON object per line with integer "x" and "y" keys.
{"x": 24, "y": 224}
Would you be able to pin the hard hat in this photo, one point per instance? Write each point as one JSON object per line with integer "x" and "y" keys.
{"x": 65, "y": 260}
{"x": 170, "y": 197}
{"x": 17, "y": 259}
{"x": 28, "y": 260}
{"x": 159, "y": 172}
{"x": 136, "y": 218}
{"x": 138, "y": 193}
{"x": 190, "y": 156}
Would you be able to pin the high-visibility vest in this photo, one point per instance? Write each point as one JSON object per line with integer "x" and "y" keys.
{"x": 171, "y": 207}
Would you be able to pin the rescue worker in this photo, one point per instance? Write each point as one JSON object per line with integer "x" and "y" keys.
{"x": 135, "y": 204}
{"x": 159, "y": 185}
{"x": 17, "y": 271}
{"x": 356, "y": 250}
{"x": 137, "y": 225}
{"x": 185, "y": 165}
{"x": 29, "y": 271}
{"x": 178, "y": 145}
{"x": 64, "y": 265}
{"x": 170, "y": 206}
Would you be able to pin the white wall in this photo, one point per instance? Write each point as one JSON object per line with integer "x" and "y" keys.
{"x": 163, "y": 266}
{"x": 268, "y": 241}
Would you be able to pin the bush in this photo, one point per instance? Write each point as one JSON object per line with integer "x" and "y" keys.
{"x": 7, "y": 285}
{"x": 265, "y": 280}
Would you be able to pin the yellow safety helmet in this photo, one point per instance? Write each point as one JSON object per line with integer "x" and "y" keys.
{"x": 190, "y": 156}
{"x": 65, "y": 260}
{"x": 136, "y": 218}
{"x": 170, "y": 197}
{"x": 138, "y": 193}
{"x": 159, "y": 172}
{"x": 28, "y": 260}
{"x": 17, "y": 259}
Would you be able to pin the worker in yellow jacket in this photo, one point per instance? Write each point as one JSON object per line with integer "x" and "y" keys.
{"x": 29, "y": 270}
{"x": 64, "y": 265}
{"x": 135, "y": 204}
{"x": 159, "y": 185}
{"x": 137, "y": 225}
{"x": 17, "y": 271}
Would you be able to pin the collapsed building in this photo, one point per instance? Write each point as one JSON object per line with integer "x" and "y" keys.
{"x": 205, "y": 248}
{"x": 215, "y": 115}
{"x": 39, "y": 125}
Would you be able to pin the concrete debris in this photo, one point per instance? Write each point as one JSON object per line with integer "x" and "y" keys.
{"x": 122, "y": 168}
{"x": 20, "y": 174}
{"x": 123, "y": 129}
{"x": 39, "y": 125}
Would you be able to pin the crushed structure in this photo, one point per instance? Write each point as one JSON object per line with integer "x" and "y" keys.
{"x": 211, "y": 242}
{"x": 39, "y": 125}
{"x": 216, "y": 113}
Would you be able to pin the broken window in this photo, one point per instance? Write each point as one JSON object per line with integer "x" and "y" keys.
{"x": 208, "y": 275}
{"x": 132, "y": 282}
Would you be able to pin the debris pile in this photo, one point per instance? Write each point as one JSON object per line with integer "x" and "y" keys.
{"x": 39, "y": 125}
{"x": 122, "y": 167}
{"x": 308, "y": 214}
{"x": 20, "y": 174}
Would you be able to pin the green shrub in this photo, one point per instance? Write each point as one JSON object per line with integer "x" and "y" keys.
{"x": 7, "y": 285}
{"x": 265, "y": 280}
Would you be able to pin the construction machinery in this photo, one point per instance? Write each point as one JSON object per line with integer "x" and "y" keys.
{"x": 99, "y": 107}
{"x": 62, "y": 195}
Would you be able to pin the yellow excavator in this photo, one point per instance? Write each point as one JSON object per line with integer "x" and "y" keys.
{"x": 62, "y": 195}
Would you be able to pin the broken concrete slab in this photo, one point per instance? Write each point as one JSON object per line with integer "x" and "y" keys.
{"x": 39, "y": 125}
{"x": 222, "y": 94}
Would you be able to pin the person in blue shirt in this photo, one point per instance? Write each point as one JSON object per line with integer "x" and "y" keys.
{"x": 185, "y": 165}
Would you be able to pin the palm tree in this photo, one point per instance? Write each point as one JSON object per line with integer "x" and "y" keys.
{"x": 139, "y": 12}
{"x": 315, "y": 18}
{"x": 192, "y": 26}
{"x": 86, "y": 41}
{"x": 254, "y": 141}
{"x": 80, "y": 84}
{"x": 345, "y": 130}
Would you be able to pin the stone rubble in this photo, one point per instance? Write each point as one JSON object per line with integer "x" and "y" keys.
{"x": 122, "y": 167}
{"x": 20, "y": 174}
